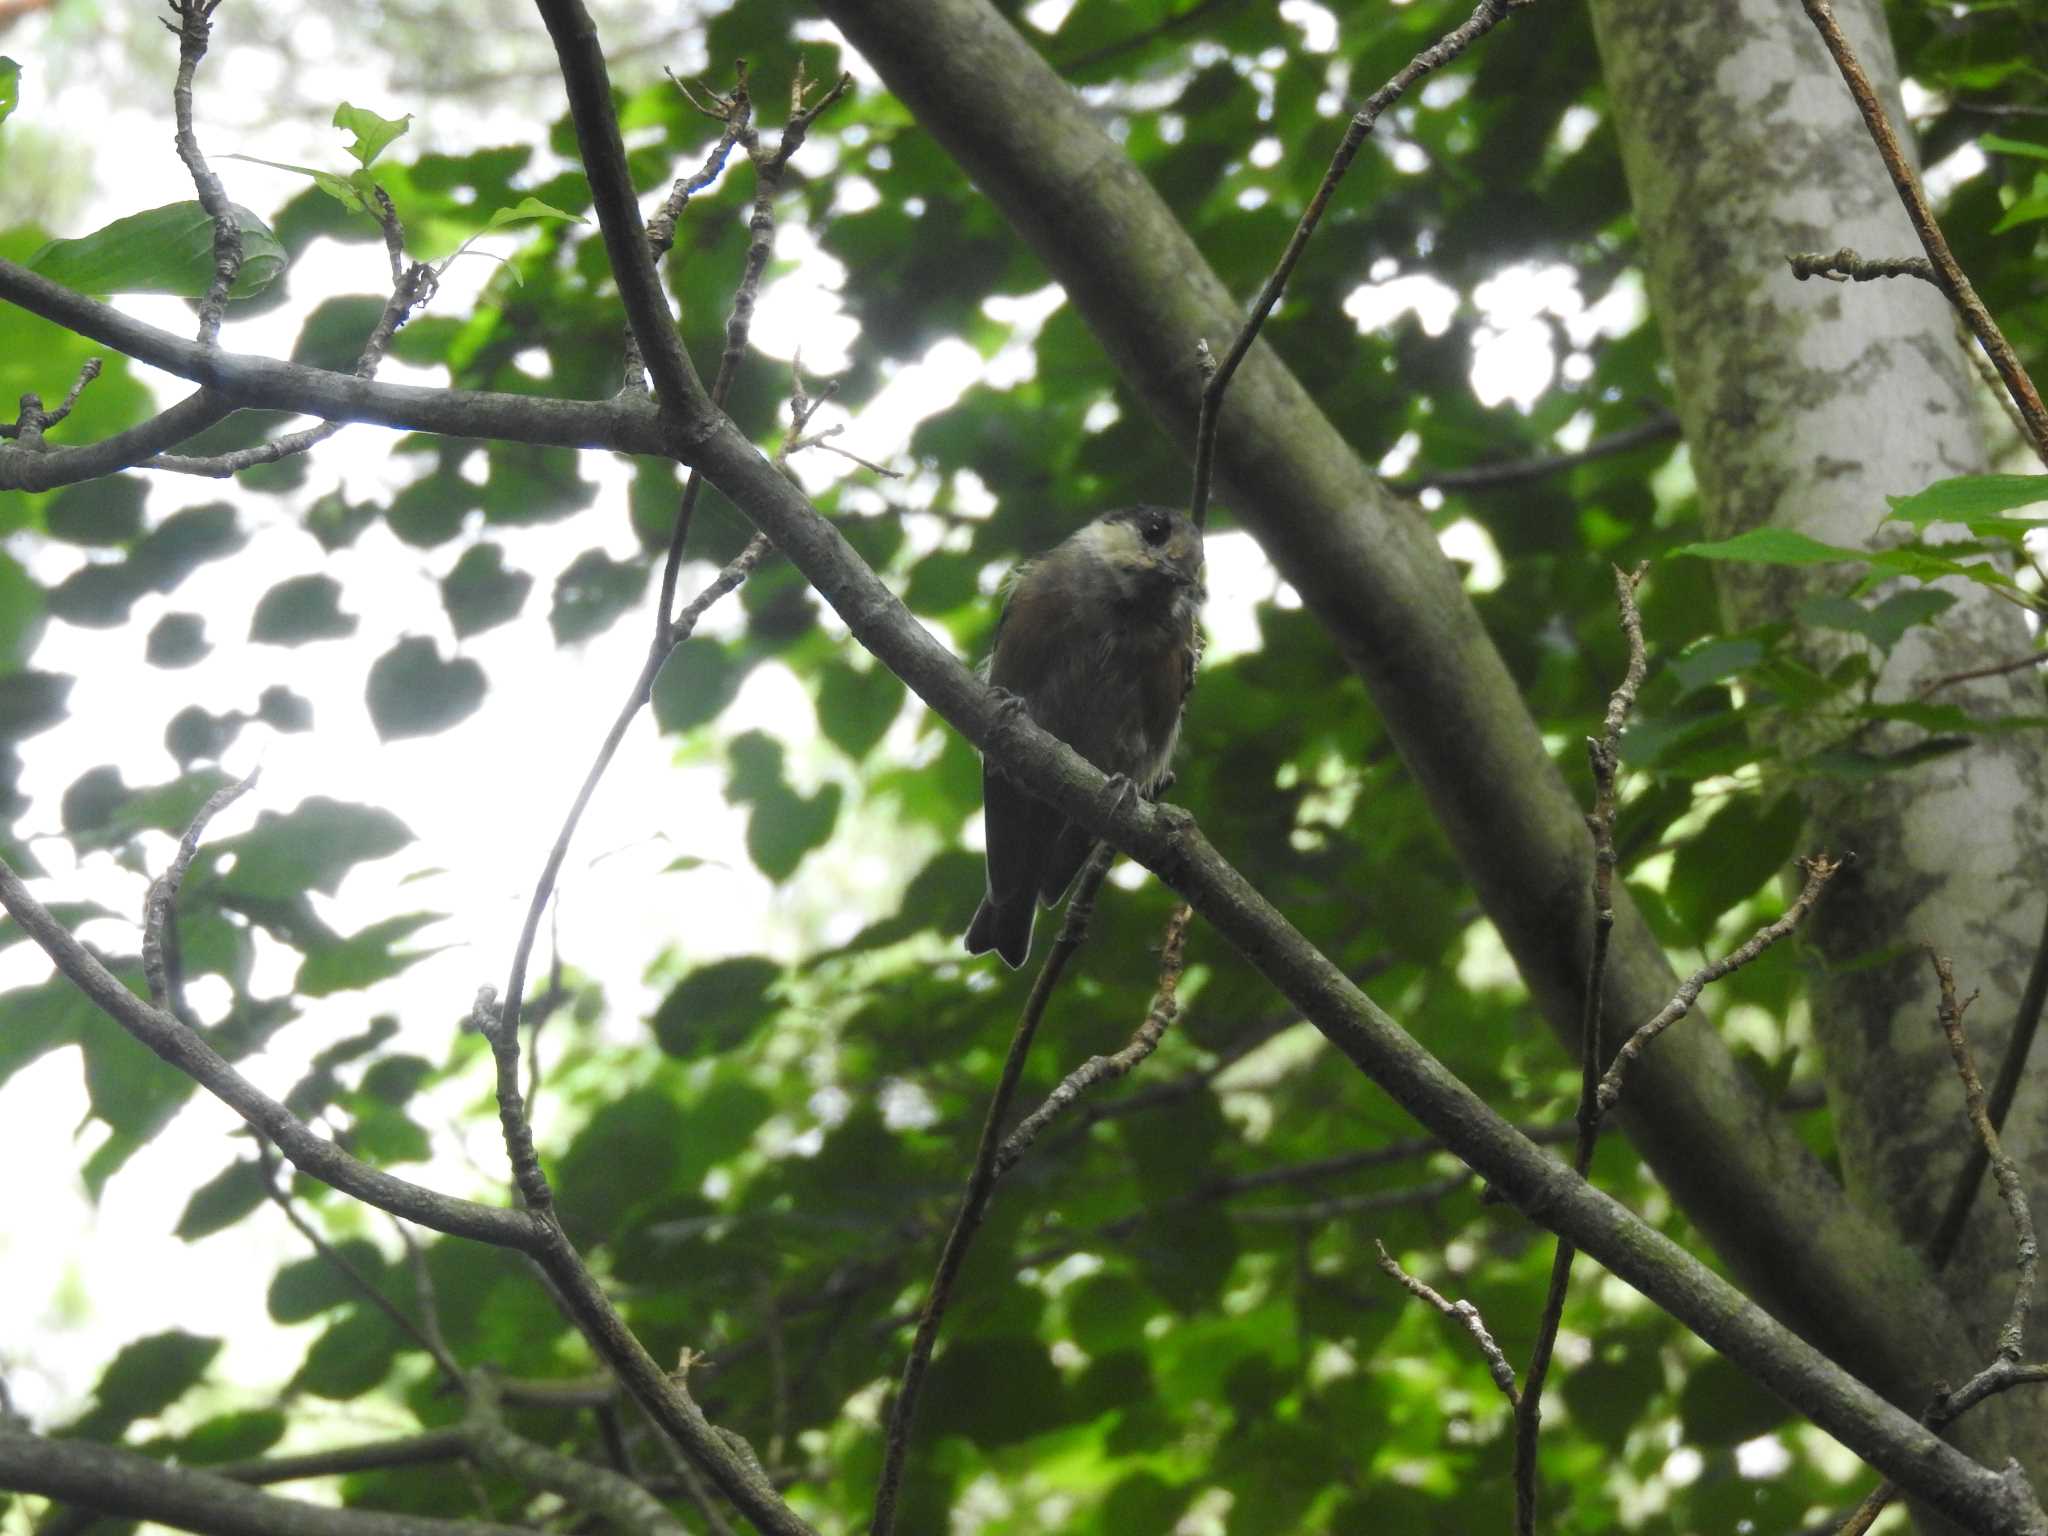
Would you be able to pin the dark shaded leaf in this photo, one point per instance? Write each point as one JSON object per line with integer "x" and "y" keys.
{"x": 413, "y": 692}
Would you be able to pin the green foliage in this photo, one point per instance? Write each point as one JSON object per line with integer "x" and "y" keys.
{"x": 166, "y": 250}
{"x": 1172, "y": 1312}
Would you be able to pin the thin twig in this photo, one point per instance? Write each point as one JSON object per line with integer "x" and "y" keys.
{"x": 160, "y": 908}
{"x": 1107, "y": 1069}
{"x": 980, "y": 1185}
{"x": 2019, "y": 1045}
{"x": 412, "y": 288}
{"x": 1948, "y": 271}
{"x": 1465, "y": 1315}
{"x": 421, "y": 1332}
{"x": 2005, "y": 1370}
{"x": 1996, "y": 669}
{"x": 1819, "y": 870}
{"x": 1486, "y": 477}
{"x": 1846, "y": 266}
{"x": 1483, "y": 20}
{"x": 671, "y": 630}
{"x": 2012, "y": 1338}
{"x": 195, "y": 24}
{"x": 1604, "y": 754}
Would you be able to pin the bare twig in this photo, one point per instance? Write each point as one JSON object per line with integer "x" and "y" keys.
{"x": 671, "y": 629}
{"x": 1604, "y": 753}
{"x": 1486, "y": 477}
{"x": 2005, "y": 1370}
{"x": 1483, "y": 20}
{"x": 1846, "y": 266}
{"x": 160, "y": 908}
{"x": 2012, "y": 1337}
{"x": 980, "y": 1185}
{"x": 1819, "y": 870}
{"x": 624, "y": 1504}
{"x": 412, "y": 288}
{"x": 1465, "y": 1315}
{"x": 1948, "y": 272}
{"x": 2011, "y": 1067}
{"x": 1996, "y": 669}
{"x": 1105, "y": 1069}
{"x": 425, "y": 1332}
{"x": 195, "y": 25}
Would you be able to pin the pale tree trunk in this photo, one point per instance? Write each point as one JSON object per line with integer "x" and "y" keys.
{"x": 1804, "y": 405}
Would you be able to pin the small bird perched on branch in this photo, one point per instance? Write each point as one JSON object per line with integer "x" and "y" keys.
{"x": 1099, "y": 642}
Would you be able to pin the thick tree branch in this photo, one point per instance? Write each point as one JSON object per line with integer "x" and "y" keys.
{"x": 676, "y": 385}
{"x": 1372, "y": 573}
{"x": 25, "y": 468}
{"x": 622, "y": 425}
{"x": 115, "y": 1481}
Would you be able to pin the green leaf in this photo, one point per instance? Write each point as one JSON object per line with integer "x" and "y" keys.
{"x": 717, "y": 1007}
{"x": 309, "y": 848}
{"x": 364, "y": 958}
{"x": 1720, "y": 1405}
{"x": 526, "y": 208}
{"x": 785, "y": 825}
{"x": 165, "y": 250}
{"x": 230, "y": 1437}
{"x": 145, "y": 1378}
{"x": 1999, "y": 144}
{"x": 222, "y": 1200}
{"x": 176, "y": 640}
{"x": 412, "y": 692}
{"x": 694, "y": 685}
{"x": 31, "y": 701}
{"x": 480, "y": 593}
{"x": 106, "y": 511}
{"x": 1772, "y": 546}
{"x": 592, "y": 593}
{"x": 282, "y": 710}
{"x": 350, "y": 1358}
{"x": 10, "y": 87}
{"x": 857, "y": 705}
{"x": 2028, "y": 210}
{"x": 1883, "y": 625}
{"x": 351, "y": 191}
{"x": 369, "y": 134}
{"x": 299, "y": 609}
{"x": 1742, "y": 845}
{"x": 306, "y": 1287}
{"x": 1713, "y": 660}
{"x": 1967, "y": 498}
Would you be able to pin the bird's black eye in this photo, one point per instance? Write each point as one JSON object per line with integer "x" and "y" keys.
{"x": 1155, "y": 528}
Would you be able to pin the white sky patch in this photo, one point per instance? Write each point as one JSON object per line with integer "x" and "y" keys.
{"x": 1317, "y": 23}
{"x": 1400, "y": 458}
{"x": 1575, "y": 127}
{"x": 1239, "y": 577}
{"x": 1048, "y": 15}
{"x": 1469, "y": 543}
{"x": 1374, "y": 306}
{"x": 1762, "y": 1458}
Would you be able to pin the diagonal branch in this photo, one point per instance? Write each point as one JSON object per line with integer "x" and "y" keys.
{"x": 1489, "y": 15}
{"x": 239, "y": 379}
{"x": 116, "y": 1481}
{"x": 1948, "y": 272}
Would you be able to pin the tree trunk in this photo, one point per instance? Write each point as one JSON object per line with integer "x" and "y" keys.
{"x": 1804, "y": 405}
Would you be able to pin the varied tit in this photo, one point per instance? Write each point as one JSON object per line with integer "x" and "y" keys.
{"x": 1098, "y": 641}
